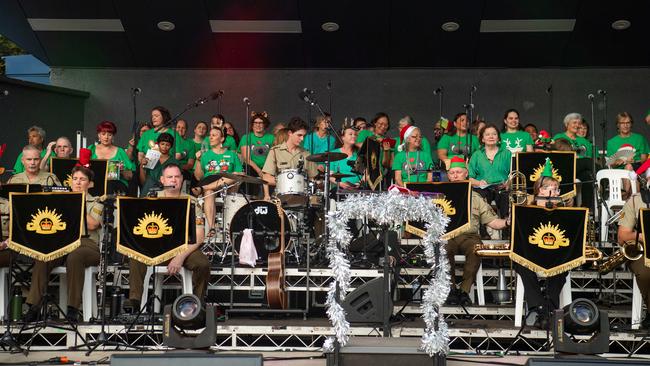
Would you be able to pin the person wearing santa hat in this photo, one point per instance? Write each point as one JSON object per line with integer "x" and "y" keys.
{"x": 86, "y": 255}
{"x": 408, "y": 121}
{"x": 627, "y": 140}
{"x": 481, "y": 213}
{"x": 412, "y": 164}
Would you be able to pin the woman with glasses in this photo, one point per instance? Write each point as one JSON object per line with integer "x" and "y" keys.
{"x": 412, "y": 164}
{"x": 546, "y": 190}
{"x": 627, "y": 140}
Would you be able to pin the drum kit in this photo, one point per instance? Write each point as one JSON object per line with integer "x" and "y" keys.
{"x": 301, "y": 204}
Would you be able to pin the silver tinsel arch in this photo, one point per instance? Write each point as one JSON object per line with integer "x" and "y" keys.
{"x": 391, "y": 209}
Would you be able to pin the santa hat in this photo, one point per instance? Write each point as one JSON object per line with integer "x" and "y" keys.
{"x": 404, "y": 134}
{"x": 457, "y": 162}
{"x": 84, "y": 157}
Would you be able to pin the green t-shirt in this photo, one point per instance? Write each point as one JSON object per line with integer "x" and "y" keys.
{"x": 120, "y": 155}
{"x": 187, "y": 146}
{"x": 260, "y": 147}
{"x": 577, "y": 142}
{"x": 412, "y": 161}
{"x": 149, "y": 137}
{"x": 638, "y": 141}
{"x": 516, "y": 141}
{"x": 496, "y": 171}
{"x": 229, "y": 143}
{"x": 448, "y": 142}
{"x": 213, "y": 163}
{"x": 18, "y": 165}
{"x": 342, "y": 166}
{"x": 320, "y": 144}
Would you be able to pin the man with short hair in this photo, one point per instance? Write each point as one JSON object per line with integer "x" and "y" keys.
{"x": 288, "y": 155}
{"x": 35, "y": 137}
{"x": 31, "y": 161}
{"x": 193, "y": 259}
{"x": 481, "y": 213}
{"x": 62, "y": 148}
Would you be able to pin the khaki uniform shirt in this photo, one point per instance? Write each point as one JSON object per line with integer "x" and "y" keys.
{"x": 630, "y": 211}
{"x": 198, "y": 213}
{"x": 482, "y": 213}
{"x": 41, "y": 178}
{"x": 280, "y": 158}
{"x": 94, "y": 209}
{"x": 4, "y": 218}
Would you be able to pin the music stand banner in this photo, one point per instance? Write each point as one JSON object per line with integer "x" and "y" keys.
{"x": 645, "y": 233}
{"x": 370, "y": 154}
{"x": 45, "y": 226}
{"x": 152, "y": 230}
{"x": 548, "y": 241}
{"x": 531, "y": 164}
{"x": 456, "y": 205}
{"x": 62, "y": 168}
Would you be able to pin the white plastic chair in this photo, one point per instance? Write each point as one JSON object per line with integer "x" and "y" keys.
{"x": 4, "y": 291}
{"x": 637, "y": 304}
{"x": 88, "y": 295}
{"x": 478, "y": 283}
{"x": 614, "y": 178}
{"x": 161, "y": 272}
{"x": 565, "y": 297}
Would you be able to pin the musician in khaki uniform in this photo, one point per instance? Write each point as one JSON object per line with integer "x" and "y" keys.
{"x": 5, "y": 254}
{"x": 77, "y": 261}
{"x": 192, "y": 259}
{"x": 288, "y": 155}
{"x": 627, "y": 231}
{"x": 31, "y": 159}
{"x": 481, "y": 213}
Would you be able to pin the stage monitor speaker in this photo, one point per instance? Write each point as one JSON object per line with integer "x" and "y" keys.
{"x": 583, "y": 361}
{"x": 365, "y": 304}
{"x": 184, "y": 358}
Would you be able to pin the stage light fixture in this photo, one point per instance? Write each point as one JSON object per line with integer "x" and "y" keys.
{"x": 188, "y": 313}
{"x": 581, "y": 318}
{"x": 330, "y": 27}
{"x": 450, "y": 26}
{"x": 166, "y": 26}
{"x": 621, "y": 24}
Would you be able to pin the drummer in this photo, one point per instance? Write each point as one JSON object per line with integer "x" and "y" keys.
{"x": 288, "y": 155}
{"x": 217, "y": 159}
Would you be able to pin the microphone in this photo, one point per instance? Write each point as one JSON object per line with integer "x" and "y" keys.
{"x": 602, "y": 92}
{"x": 590, "y": 96}
{"x": 438, "y": 90}
{"x": 246, "y": 101}
{"x": 304, "y": 96}
{"x": 216, "y": 94}
{"x": 474, "y": 88}
{"x": 136, "y": 91}
{"x": 549, "y": 90}
{"x": 468, "y": 106}
{"x": 4, "y": 93}
{"x": 307, "y": 91}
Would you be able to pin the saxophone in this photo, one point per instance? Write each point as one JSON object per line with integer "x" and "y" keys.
{"x": 631, "y": 250}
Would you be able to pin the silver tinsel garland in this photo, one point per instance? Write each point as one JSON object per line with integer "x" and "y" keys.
{"x": 391, "y": 209}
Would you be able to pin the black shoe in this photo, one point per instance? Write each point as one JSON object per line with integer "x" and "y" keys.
{"x": 453, "y": 298}
{"x": 32, "y": 315}
{"x": 463, "y": 298}
{"x": 73, "y": 315}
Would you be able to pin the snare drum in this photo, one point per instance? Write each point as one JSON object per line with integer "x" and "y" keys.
{"x": 291, "y": 188}
{"x": 264, "y": 218}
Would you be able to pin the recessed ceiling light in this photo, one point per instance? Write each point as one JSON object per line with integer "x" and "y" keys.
{"x": 450, "y": 26}
{"x": 330, "y": 27}
{"x": 621, "y": 24}
{"x": 166, "y": 26}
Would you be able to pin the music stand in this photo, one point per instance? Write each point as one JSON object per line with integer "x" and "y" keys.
{"x": 60, "y": 208}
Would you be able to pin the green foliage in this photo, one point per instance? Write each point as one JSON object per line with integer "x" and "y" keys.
{"x": 8, "y": 48}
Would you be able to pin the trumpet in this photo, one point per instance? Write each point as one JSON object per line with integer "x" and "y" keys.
{"x": 631, "y": 250}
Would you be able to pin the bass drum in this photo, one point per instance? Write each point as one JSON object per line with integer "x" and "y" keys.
{"x": 264, "y": 218}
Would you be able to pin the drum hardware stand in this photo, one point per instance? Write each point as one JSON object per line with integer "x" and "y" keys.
{"x": 223, "y": 192}
{"x": 8, "y": 341}
{"x": 103, "y": 337}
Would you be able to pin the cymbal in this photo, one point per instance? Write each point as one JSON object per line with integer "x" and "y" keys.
{"x": 236, "y": 177}
{"x": 339, "y": 176}
{"x": 327, "y": 156}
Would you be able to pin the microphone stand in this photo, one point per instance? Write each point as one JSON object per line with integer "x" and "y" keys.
{"x": 136, "y": 139}
{"x": 440, "y": 93}
{"x": 597, "y": 207}
{"x": 549, "y": 92}
{"x": 247, "y": 118}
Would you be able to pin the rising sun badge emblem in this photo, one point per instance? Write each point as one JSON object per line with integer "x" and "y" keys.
{"x": 46, "y": 222}
{"x": 445, "y": 205}
{"x": 548, "y": 237}
{"x": 152, "y": 226}
{"x": 68, "y": 181}
{"x": 538, "y": 172}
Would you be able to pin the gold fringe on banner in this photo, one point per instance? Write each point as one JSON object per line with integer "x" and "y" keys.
{"x": 20, "y": 249}
{"x": 450, "y": 235}
{"x": 148, "y": 260}
{"x": 548, "y": 272}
